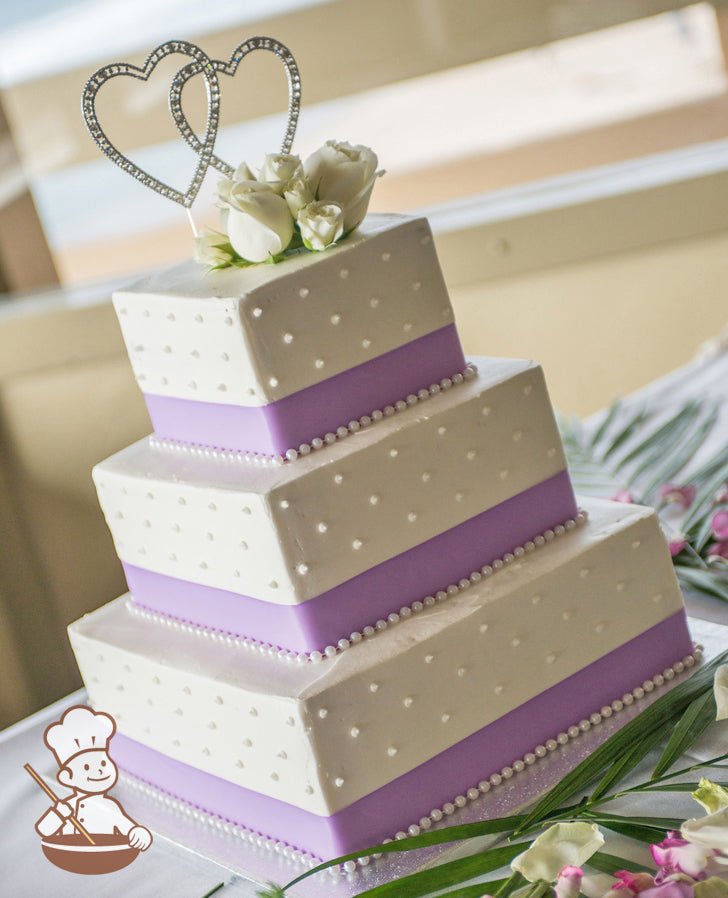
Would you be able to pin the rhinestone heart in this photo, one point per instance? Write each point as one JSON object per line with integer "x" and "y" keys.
{"x": 230, "y": 68}
{"x": 205, "y": 147}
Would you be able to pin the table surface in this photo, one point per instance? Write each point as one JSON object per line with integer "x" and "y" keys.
{"x": 188, "y": 859}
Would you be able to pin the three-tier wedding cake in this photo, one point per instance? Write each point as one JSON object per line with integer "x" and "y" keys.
{"x": 361, "y": 589}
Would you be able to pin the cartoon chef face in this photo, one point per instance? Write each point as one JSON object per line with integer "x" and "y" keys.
{"x": 92, "y": 772}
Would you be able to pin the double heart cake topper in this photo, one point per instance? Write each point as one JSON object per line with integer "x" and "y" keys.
{"x": 199, "y": 66}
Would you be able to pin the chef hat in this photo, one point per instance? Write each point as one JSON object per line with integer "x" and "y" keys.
{"x": 80, "y": 729}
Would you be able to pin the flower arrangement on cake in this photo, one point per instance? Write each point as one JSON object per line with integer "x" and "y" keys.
{"x": 291, "y": 204}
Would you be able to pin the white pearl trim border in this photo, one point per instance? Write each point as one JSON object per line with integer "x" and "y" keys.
{"x": 227, "y": 827}
{"x": 265, "y": 648}
{"x": 240, "y": 455}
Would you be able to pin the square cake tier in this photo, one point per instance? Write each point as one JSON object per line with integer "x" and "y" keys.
{"x": 334, "y": 756}
{"x": 308, "y": 553}
{"x": 272, "y": 357}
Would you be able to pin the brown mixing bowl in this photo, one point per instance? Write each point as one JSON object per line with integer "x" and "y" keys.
{"x": 75, "y": 854}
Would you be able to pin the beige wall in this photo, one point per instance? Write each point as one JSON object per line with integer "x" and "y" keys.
{"x": 603, "y": 327}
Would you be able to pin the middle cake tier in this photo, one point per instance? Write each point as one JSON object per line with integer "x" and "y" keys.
{"x": 304, "y": 554}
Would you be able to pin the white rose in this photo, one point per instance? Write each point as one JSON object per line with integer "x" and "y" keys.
{"x": 297, "y": 194}
{"x": 211, "y": 248}
{"x": 321, "y": 224}
{"x": 243, "y": 173}
{"x": 278, "y": 169}
{"x": 342, "y": 174}
{"x": 258, "y": 221}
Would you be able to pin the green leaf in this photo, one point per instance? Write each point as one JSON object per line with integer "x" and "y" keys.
{"x": 633, "y": 828}
{"x": 217, "y": 888}
{"x": 695, "y": 719}
{"x": 657, "y": 715}
{"x": 496, "y": 888}
{"x": 424, "y": 840}
{"x": 424, "y": 882}
{"x": 677, "y": 787}
{"x": 271, "y": 891}
{"x": 611, "y": 863}
{"x": 628, "y": 430}
{"x": 478, "y": 890}
{"x": 654, "y": 447}
{"x": 710, "y": 479}
{"x": 696, "y": 578}
{"x": 612, "y": 412}
{"x": 679, "y": 455}
{"x": 627, "y": 761}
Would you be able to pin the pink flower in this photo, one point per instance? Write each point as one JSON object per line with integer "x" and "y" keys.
{"x": 677, "y": 545}
{"x": 681, "y": 495}
{"x": 718, "y": 550}
{"x": 676, "y": 855}
{"x": 633, "y": 882}
{"x": 623, "y": 496}
{"x": 719, "y": 525}
{"x": 568, "y": 882}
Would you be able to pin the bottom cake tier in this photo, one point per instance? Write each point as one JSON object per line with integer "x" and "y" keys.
{"x": 335, "y": 756}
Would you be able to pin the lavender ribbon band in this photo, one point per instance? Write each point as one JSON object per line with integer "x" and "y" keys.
{"x": 362, "y": 600}
{"x": 316, "y": 410}
{"x": 402, "y": 802}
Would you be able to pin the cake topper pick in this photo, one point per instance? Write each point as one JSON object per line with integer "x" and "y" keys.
{"x": 204, "y": 148}
{"x": 230, "y": 68}
{"x": 289, "y": 205}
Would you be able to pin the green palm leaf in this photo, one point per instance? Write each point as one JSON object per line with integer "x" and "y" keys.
{"x": 611, "y": 863}
{"x": 638, "y": 450}
{"x": 695, "y": 720}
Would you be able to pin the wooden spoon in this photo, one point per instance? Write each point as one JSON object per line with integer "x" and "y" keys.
{"x": 49, "y": 792}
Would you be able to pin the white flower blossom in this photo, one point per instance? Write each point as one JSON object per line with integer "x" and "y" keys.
{"x": 562, "y": 845}
{"x": 321, "y": 224}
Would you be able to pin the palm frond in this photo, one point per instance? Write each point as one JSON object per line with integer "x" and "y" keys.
{"x": 639, "y": 450}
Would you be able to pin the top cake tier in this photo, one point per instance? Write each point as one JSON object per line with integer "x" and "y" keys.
{"x": 271, "y": 358}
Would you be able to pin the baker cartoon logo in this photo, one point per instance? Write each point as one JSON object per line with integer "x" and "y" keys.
{"x": 88, "y": 830}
